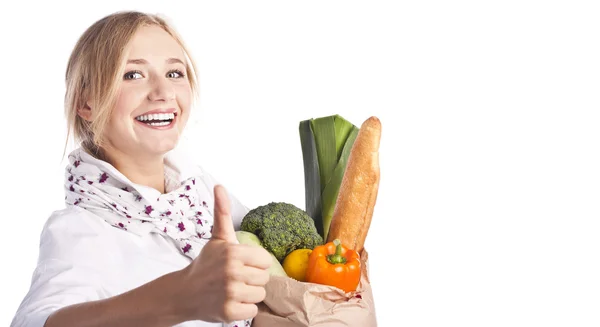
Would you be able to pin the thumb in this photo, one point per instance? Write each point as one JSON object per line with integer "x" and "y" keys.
{"x": 223, "y": 225}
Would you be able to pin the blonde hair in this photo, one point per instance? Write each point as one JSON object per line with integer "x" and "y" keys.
{"x": 95, "y": 68}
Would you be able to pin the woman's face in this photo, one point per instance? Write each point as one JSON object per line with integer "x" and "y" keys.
{"x": 154, "y": 99}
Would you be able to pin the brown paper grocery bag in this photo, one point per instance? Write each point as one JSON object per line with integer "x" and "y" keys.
{"x": 290, "y": 303}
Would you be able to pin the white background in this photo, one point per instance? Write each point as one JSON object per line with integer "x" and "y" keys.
{"x": 488, "y": 208}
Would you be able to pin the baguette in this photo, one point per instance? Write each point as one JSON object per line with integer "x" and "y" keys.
{"x": 358, "y": 190}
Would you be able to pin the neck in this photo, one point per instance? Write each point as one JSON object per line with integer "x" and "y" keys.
{"x": 147, "y": 171}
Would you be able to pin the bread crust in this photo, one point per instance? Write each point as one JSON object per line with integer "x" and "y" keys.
{"x": 359, "y": 188}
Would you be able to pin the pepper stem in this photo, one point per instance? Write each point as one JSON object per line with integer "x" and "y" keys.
{"x": 337, "y": 256}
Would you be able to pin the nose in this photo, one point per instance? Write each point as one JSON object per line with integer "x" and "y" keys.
{"x": 161, "y": 90}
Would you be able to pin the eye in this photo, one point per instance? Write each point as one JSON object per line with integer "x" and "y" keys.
{"x": 175, "y": 73}
{"x": 134, "y": 74}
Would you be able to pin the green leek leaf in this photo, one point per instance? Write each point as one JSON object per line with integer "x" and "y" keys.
{"x": 312, "y": 183}
{"x": 342, "y": 131}
{"x": 326, "y": 145}
{"x": 324, "y": 132}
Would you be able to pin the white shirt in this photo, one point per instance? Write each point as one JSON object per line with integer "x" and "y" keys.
{"x": 83, "y": 258}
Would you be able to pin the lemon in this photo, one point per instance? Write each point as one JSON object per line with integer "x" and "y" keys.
{"x": 296, "y": 263}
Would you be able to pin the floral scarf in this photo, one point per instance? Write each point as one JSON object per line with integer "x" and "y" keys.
{"x": 184, "y": 213}
{"x": 181, "y": 214}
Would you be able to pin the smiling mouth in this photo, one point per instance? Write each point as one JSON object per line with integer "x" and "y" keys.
{"x": 157, "y": 120}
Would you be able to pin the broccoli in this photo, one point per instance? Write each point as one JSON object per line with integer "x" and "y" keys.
{"x": 282, "y": 228}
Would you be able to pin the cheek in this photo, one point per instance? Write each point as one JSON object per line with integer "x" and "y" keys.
{"x": 184, "y": 100}
{"x": 184, "y": 96}
{"x": 119, "y": 122}
{"x": 127, "y": 101}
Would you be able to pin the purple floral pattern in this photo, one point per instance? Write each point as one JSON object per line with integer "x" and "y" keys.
{"x": 180, "y": 214}
{"x": 174, "y": 213}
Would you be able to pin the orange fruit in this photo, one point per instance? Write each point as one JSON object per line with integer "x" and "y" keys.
{"x": 296, "y": 263}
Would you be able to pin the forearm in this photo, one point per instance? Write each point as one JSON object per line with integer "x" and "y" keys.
{"x": 148, "y": 305}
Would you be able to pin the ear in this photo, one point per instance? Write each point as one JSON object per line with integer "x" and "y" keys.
{"x": 85, "y": 112}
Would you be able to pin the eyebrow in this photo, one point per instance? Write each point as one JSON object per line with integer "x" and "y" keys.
{"x": 144, "y": 61}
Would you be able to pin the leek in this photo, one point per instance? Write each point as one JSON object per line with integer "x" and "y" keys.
{"x": 326, "y": 143}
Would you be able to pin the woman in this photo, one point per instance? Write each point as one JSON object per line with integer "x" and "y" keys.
{"x": 139, "y": 243}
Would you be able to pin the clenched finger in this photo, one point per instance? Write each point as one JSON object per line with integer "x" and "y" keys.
{"x": 248, "y": 293}
{"x": 254, "y": 276}
{"x": 254, "y": 256}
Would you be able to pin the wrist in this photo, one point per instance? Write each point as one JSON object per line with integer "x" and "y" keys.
{"x": 166, "y": 301}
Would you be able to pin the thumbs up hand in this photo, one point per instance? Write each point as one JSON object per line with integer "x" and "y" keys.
{"x": 227, "y": 279}
{"x": 223, "y": 224}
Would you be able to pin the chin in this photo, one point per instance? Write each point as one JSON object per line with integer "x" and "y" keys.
{"x": 166, "y": 148}
{"x": 160, "y": 148}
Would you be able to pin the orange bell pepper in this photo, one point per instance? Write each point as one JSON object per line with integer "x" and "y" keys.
{"x": 335, "y": 265}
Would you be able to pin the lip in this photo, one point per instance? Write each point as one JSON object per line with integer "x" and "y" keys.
{"x": 160, "y": 111}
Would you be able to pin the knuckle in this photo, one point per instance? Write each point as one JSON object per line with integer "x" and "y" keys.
{"x": 262, "y": 294}
{"x": 266, "y": 257}
{"x": 253, "y": 311}
{"x": 266, "y": 277}
{"x": 230, "y": 291}
{"x": 229, "y": 311}
{"x": 229, "y": 252}
{"x": 231, "y": 270}
{"x": 260, "y": 278}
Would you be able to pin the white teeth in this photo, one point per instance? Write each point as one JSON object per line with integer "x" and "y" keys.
{"x": 164, "y": 123}
{"x": 165, "y": 116}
